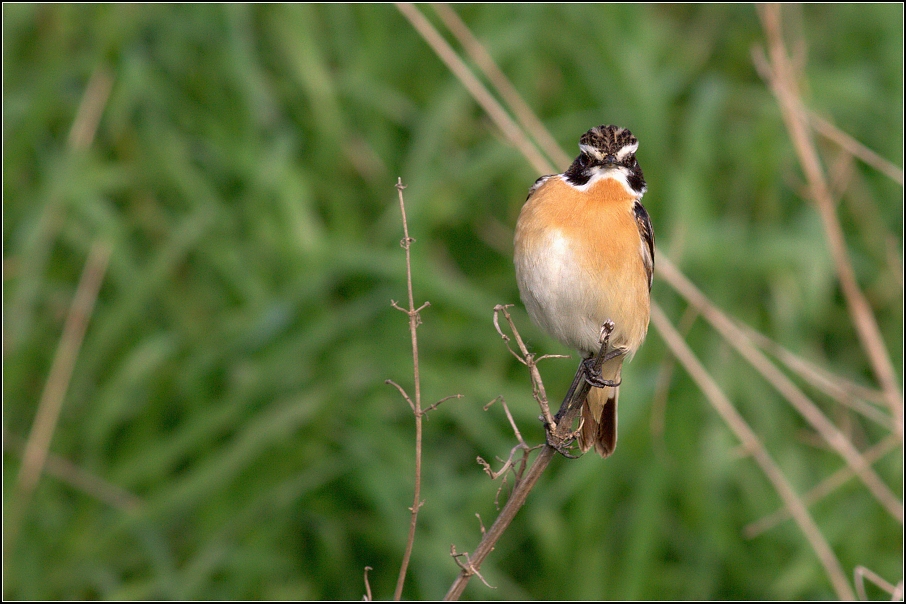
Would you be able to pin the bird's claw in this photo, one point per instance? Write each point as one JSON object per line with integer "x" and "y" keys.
{"x": 593, "y": 376}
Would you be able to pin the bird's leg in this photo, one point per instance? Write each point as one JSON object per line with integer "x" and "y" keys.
{"x": 588, "y": 374}
{"x": 592, "y": 365}
{"x": 593, "y": 374}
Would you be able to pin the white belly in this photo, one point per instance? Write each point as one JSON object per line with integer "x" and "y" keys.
{"x": 551, "y": 286}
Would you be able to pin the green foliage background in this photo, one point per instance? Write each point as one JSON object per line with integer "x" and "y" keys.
{"x": 232, "y": 376}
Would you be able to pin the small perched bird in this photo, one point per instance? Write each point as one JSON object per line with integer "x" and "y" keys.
{"x": 585, "y": 254}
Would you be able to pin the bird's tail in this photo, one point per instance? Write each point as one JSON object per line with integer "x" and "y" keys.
{"x": 599, "y": 413}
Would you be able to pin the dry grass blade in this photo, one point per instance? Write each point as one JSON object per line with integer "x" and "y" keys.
{"x": 750, "y": 441}
{"x": 862, "y": 573}
{"x": 737, "y": 338}
{"x": 478, "y": 91}
{"x": 841, "y": 390}
{"x": 527, "y": 118}
{"x": 80, "y": 479}
{"x": 91, "y": 108}
{"x": 781, "y": 76}
{"x": 825, "y": 488}
{"x": 855, "y": 148}
{"x": 36, "y": 449}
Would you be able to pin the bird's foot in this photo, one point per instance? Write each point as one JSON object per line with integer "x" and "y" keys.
{"x": 594, "y": 377}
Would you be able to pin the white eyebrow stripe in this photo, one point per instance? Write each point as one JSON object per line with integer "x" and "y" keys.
{"x": 627, "y": 150}
{"x": 592, "y": 151}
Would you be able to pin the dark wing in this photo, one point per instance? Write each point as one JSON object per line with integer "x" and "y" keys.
{"x": 647, "y": 234}
{"x": 538, "y": 184}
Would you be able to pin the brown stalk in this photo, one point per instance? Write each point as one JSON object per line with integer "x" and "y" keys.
{"x": 524, "y": 114}
{"x": 781, "y": 76}
{"x": 560, "y": 434}
{"x": 855, "y": 148}
{"x": 491, "y": 536}
{"x": 823, "y": 489}
{"x": 85, "y": 125}
{"x": 750, "y": 441}
{"x": 78, "y": 478}
{"x": 479, "y": 92}
{"x": 37, "y": 446}
{"x": 737, "y": 338}
{"x": 836, "y": 387}
{"x": 414, "y": 322}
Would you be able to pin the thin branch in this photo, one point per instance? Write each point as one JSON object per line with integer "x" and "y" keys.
{"x": 750, "y": 441}
{"x": 493, "y": 534}
{"x": 737, "y": 338}
{"x": 781, "y": 78}
{"x": 437, "y": 404}
{"x": 559, "y": 435}
{"x": 575, "y": 396}
{"x": 403, "y": 393}
{"x": 414, "y": 322}
{"x": 517, "y": 467}
{"x": 508, "y": 464}
{"x": 528, "y": 360}
{"x": 468, "y": 567}
{"x": 509, "y": 417}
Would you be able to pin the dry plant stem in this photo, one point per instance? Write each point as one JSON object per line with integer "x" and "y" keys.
{"x": 517, "y": 467}
{"x": 823, "y": 489}
{"x": 82, "y": 480}
{"x": 782, "y": 80}
{"x": 527, "y": 118}
{"x": 478, "y": 91}
{"x": 527, "y": 359}
{"x": 36, "y": 448}
{"x": 844, "y": 392}
{"x": 81, "y": 135}
{"x": 750, "y": 441}
{"x": 737, "y": 338}
{"x": 561, "y": 434}
{"x": 368, "y": 597}
{"x": 862, "y": 573}
{"x": 492, "y": 535}
{"x": 856, "y": 149}
{"x": 414, "y": 322}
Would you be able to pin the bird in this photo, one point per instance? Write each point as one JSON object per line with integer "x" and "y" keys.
{"x": 584, "y": 254}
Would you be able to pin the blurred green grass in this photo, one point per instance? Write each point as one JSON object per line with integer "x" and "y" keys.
{"x": 232, "y": 375}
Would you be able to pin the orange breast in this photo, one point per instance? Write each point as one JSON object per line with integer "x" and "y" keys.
{"x": 579, "y": 263}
